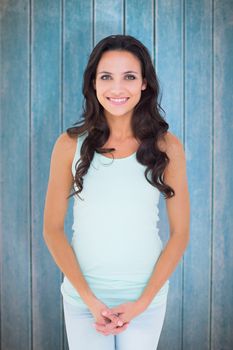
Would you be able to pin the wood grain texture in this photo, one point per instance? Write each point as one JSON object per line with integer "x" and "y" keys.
{"x": 77, "y": 45}
{"x": 44, "y": 50}
{"x": 198, "y": 142}
{"x": 222, "y": 258}
{"x": 169, "y": 57}
{"x": 45, "y": 127}
{"x": 15, "y": 256}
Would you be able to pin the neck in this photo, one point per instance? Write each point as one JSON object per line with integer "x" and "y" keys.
{"x": 120, "y": 127}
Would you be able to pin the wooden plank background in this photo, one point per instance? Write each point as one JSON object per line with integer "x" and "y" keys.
{"x": 44, "y": 49}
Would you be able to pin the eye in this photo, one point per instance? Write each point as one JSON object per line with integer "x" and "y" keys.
{"x": 132, "y": 76}
{"x": 104, "y": 76}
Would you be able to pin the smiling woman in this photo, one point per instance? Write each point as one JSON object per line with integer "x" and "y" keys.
{"x": 116, "y": 261}
{"x": 121, "y": 87}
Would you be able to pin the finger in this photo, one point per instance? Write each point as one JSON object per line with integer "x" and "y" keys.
{"x": 117, "y": 320}
{"x": 117, "y": 330}
{"x": 110, "y": 324}
{"x": 109, "y": 313}
{"x": 102, "y": 328}
{"x": 106, "y": 313}
{"x": 103, "y": 321}
{"x": 107, "y": 327}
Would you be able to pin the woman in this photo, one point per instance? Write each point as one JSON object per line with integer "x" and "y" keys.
{"x": 117, "y": 161}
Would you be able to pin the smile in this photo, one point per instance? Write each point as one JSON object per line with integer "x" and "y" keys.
{"x": 118, "y": 101}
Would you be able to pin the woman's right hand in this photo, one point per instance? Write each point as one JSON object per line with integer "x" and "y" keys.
{"x": 106, "y": 325}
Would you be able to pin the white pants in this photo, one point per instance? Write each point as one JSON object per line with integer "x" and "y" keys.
{"x": 142, "y": 333}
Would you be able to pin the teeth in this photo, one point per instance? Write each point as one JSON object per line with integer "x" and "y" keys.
{"x": 118, "y": 99}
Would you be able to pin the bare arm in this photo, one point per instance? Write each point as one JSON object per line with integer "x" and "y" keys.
{"x": 178, "y": 209}
{"x": 56, "y": 204}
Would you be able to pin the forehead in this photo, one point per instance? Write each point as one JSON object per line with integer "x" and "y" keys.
{"x": 118, "y": 60}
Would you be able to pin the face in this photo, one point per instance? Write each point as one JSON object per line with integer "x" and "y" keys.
{"x": 118, "y": 82}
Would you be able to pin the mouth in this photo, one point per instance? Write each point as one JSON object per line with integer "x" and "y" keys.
{"x": 118, "y": 101}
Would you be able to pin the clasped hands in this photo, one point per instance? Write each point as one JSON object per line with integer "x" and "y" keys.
{"x": 116, "y": 320}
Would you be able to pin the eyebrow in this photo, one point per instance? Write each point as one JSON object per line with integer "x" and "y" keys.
{"x": 129, "y": 71}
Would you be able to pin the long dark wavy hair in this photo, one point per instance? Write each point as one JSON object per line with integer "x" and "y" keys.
{"x": 148, "y": 125}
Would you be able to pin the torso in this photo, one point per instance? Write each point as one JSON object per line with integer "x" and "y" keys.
{"x": 114, "y": 190}
{"x": 123, "y": 150}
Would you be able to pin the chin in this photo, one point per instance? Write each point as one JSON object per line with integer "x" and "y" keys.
{"x": 119, "y": 113}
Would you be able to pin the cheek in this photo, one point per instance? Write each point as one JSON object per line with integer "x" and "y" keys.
{"x": 135, "y": 90}
{"x": 103, "y": 90}
{"x": 100, "y": 92}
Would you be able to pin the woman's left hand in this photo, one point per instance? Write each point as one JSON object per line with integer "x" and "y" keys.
{"x": 126, "y": 312}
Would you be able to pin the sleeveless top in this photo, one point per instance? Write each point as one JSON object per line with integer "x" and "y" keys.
{"x": 115, "y": 233}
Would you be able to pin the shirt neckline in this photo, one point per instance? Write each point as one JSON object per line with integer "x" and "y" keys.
{"x": 117, "y": 159}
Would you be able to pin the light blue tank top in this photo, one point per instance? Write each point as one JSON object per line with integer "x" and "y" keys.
{"x": 115, "y": 233}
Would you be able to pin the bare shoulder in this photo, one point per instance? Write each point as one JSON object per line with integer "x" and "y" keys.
{"x": 175, "y": 171}
{"x": 175, "y": 176}
{"x": 172, "y": 145}
{"x": 65, "y": 147}
{"x": 66, "y": 141}
{"x": 59, "y": 184}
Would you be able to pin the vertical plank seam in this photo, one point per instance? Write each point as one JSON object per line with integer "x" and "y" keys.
{"x": 30, "y": 170}
{"x": 1, "y": 200}
{"x": 183, "y": 73}
{"x": 62, "y": 335}
{"x": 93, "y": 23}
{"x": 212, "y": 179}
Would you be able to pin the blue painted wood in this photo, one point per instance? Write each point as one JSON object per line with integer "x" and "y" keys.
{"x": 45, "y": 127}
{"x": 41, "y": 79}
{"x": 143, "y": 30}
{"x": 198, "y": 142}
{"x": 222, "y": 276}
{"x": 109, "y": 18}
{"x": 77, "y": 46}
{"x": 169, "y": 67}
{"x": 15, "y": 178}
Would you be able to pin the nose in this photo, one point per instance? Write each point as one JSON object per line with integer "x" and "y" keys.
{"x": 117, "y": 94}
{"x": 117, "y": 88}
